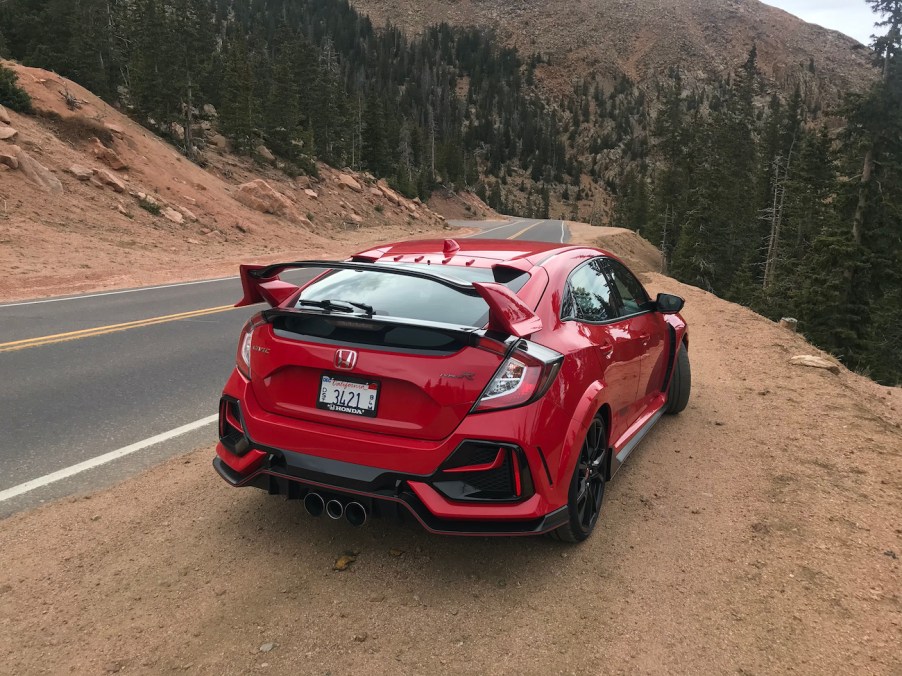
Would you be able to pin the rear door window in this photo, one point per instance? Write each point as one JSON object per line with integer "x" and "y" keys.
{"x": 588, "y": 297}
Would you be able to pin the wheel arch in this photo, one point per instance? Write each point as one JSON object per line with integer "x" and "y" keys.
{"x": 593, "y": 403}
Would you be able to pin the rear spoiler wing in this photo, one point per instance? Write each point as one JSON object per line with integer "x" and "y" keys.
{"x": 507, "y": 312}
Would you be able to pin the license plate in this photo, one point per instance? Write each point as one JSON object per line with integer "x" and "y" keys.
{"x": 348, "y": 395}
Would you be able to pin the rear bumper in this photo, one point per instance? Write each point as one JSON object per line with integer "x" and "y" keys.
{"x": 293, "y": 475}
{"x": 392, "y": 475}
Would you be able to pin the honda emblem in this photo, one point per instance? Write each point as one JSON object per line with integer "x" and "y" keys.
{"x": 345, "y": 359}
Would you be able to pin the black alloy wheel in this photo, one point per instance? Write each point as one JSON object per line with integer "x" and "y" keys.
{"x": 587, "y": 486}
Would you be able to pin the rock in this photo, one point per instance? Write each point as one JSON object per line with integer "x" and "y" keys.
{"x": 390, "y": 194}
{"x": 814, "y": 362}
{"x": 311, "y": 193}
{"x": 344, "y": 561}
{"x": 266, "y": 154}
{"x": 261, "y": 196}
{"x": 8, "y": 133}
{"x": 96, "y": 182}
{"x": 107, "y": 178}
{"x": 304, "y": 182}
{"x": 171, "y": 214}
{"x": 355, "y": 218}
{"x": 219, "y": 141}
{"x": 187, "y": 213}
{"x": 789, "y": 323}
{"x": 36, "y": 172}
{"x": 242, "y": 227}
{"x": 267, "y": 647}
{"x": 8, "y": 158}
{"x": 114, "y": 128}
{"x": 361, "y": 637}
{"x": 209, "y": 110}
{"x": 4, "y": 116}
{"x": 80, "y": 172}
{"x": 177, "y": 130}
{"x": 375, "y": 192}
{"x": 122, "y": 210}
{"x": 108, "y": 156}
{"x": 194, "y": 241}
{"x": 348, "y": 182}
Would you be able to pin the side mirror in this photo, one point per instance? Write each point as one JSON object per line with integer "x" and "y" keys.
{"x": 668, "y": 304}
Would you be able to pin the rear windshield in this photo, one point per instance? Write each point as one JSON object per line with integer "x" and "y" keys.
{"x": 413, "y": 298}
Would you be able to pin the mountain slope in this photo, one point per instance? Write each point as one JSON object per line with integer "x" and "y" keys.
{"x": 168, "y": 218}
{"x": 643, "y": 37}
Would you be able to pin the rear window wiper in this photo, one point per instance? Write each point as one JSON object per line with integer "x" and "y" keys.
{"x": 338, "y": 305}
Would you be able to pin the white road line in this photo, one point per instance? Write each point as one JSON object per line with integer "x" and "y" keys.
{"x": 563, "y": 233}
{"x": 113, "y": 293}
{"x": 47, "y": 479}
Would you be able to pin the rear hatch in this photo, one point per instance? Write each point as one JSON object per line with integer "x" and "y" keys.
{"x": 403, "y": 371}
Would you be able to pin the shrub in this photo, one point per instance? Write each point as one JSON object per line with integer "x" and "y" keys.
{"x": 152, "y": 207}
{"x": 12, "y": 95}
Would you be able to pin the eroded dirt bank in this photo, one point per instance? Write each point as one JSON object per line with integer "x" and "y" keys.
{"x": 759, "y": 532}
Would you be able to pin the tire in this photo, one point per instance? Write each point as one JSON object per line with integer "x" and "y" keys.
{"x": 680, "y": 384}
{"x": 587, "y": 486}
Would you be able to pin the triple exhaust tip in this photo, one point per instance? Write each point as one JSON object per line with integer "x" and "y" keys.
{"x": 354, "y": 512}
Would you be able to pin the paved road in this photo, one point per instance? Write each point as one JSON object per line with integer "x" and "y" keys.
{"x": 88, "y": 378}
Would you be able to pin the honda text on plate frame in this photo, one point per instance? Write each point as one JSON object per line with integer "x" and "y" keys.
{"x": 480, "y": 388}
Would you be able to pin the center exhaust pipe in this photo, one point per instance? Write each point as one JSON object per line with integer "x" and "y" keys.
{"x": 334, "y": 509}
{"x": 355, "y": 513}
{"x": 314, "y": 504}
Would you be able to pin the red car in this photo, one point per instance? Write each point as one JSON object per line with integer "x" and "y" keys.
{"x": 484, "y": 388}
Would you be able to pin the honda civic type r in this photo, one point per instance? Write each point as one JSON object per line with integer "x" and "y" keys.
{"x": 482, "y": 388}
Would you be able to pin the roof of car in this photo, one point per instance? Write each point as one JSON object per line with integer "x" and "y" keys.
{"x": 463, "y": 251}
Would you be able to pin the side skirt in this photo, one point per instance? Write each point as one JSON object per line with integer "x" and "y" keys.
{"x": 630, "y": 445}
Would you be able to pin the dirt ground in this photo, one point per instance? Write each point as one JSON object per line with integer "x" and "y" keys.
{"x": 759, "y": 532}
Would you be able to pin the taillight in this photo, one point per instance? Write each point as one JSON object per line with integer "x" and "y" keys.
{"x": 522, "y": 378}
{"x": 243, "y": 360}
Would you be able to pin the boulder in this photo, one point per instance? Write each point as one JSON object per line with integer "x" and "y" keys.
{"x": 814, "y": 361}
{"x": 177, "y": 130}
{"x": 311, "y": 193}
{"x": 219, "y": 141}
{"x": 261, "y": 196}
{"x": 187, "y": 213}
{"x": 209, "y": 110}
{"x": 108, "y": 156}
{"x": 304, "y": 182}
{"x": 8, "y": 158}
{"x": 8, "y": 133}
{"x": 789, "y": 323}
{"x": 265, "y": 153}
{"x": 375, "y": 192}
{"x": 106, "y": 178}
{"x": 4, "y": 116}
{"x": 348, "y": 182}
{"x": 172, "y": 215}
{"x": 355, "y": 218}
{"x": 36, "y": 172}
{"x": 114, "y": 128}
{"x": 80, "y": 172}
{"x": 390, "y": 194}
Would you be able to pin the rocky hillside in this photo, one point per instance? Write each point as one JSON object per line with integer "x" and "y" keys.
{"x": 641, "y": 38}
{"x": 90, "y": 199}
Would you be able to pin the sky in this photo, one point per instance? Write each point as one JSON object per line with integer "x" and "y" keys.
{"x": 852, "y": 17}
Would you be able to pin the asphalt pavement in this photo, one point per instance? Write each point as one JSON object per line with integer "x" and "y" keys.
{"x": 97, "y": 387}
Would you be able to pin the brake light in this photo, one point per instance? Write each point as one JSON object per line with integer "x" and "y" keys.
{"x": 243, "y": 359}
{"x": 522, "y": 378}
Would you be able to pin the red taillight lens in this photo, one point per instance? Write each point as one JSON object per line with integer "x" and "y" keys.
{"x": 245, "y": 341}
{"x": 522, "y": 378}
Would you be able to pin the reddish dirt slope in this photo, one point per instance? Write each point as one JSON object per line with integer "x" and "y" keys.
{"x": 756, "y": 533}
{"x": 91, "y": 237}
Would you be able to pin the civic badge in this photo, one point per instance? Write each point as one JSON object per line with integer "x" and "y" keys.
{"x": 345, "y": 360}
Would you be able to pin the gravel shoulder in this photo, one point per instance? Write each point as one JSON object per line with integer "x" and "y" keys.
{"x": 758, "y": 532}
